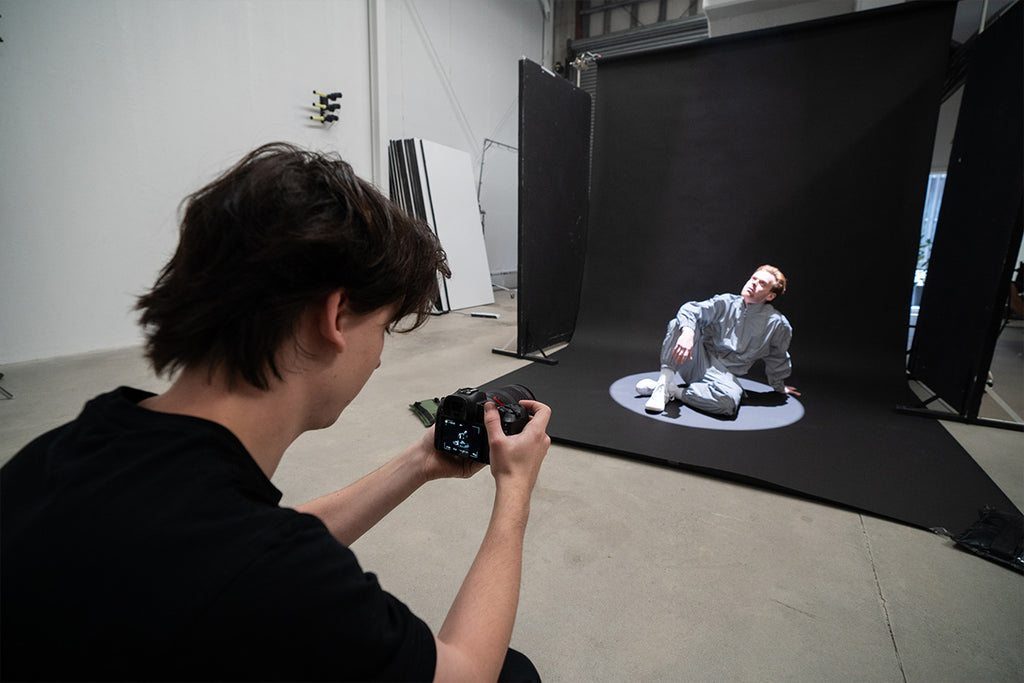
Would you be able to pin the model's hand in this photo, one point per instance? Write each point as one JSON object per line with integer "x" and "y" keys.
{"x": 791, "y": 390}
{"x": 683, "y": 350}
{"x": 440, "y": 465}
{"x": 517, "y": 458}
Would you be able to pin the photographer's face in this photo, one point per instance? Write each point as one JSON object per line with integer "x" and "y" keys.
{"x": 364, "y": 341}
{"x": 357, "y": 346}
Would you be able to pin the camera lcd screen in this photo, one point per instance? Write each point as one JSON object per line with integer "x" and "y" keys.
{"x": 461, "y": 438}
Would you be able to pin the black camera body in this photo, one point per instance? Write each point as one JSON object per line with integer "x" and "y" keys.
{"x": 459, "y": 428}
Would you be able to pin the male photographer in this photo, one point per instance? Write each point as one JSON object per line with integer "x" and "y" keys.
{"x": 144, "y": 539}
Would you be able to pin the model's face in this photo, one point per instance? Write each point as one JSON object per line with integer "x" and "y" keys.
{"x": 758, "y": 289}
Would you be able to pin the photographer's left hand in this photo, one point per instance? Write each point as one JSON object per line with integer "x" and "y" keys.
{"x": 440, "y": 465}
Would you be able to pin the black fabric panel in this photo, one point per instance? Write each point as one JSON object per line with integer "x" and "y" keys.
{"x": 809, "y": 148}
{"x": 979, "y": 230}
{"x": 554, "y": 177}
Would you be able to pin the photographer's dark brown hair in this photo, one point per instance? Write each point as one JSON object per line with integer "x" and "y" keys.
{"x": 277, "y": 232}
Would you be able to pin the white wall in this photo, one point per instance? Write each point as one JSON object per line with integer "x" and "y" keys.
{"x": 453, "y": 78}
{"x": 453, "y": 74}
{"x": 113, "y": 110}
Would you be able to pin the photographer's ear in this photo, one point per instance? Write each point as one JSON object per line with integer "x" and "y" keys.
{"x": 332, "y": 319}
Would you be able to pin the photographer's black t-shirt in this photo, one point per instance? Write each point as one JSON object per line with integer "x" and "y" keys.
{"x": 146, "y": 546}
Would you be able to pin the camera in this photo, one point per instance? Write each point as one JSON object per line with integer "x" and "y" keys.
{"x": 460, "y": 429}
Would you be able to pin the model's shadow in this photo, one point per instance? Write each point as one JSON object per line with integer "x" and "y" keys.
{"x": 762, "y": 399}
{"x": 767, "y": 399}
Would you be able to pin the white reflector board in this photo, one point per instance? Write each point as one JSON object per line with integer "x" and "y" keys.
{"x": 444, "y": 179}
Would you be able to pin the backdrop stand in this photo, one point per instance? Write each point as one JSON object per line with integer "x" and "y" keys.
{"x": 554, "y": 185}
{"x": 542, "y": 358}
{"x": 979, "y": 230}
{"x": 952, "y": 415}
{"x": 488, "y": 143}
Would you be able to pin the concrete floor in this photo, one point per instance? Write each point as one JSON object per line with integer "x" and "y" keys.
{"x": 634, "y": 572}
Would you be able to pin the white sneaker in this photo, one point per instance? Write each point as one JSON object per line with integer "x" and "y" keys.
{"x": 645, "y": 387}
{"x": 656, "y": 403}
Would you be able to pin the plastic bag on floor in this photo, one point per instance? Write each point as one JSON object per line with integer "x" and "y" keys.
{"x": 996, "y": 536}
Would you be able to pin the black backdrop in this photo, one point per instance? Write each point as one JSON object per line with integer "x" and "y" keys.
{"x": 807, "y": 147}
{"x": 554, "y": 179}
{"x": 979, "y": 230}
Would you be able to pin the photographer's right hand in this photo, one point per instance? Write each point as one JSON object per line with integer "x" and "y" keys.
{"x": 474, "y": 638}
{"x": 517, "y": 458}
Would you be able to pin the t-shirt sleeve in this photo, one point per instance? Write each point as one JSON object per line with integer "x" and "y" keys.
{"x": 319, "y": 615}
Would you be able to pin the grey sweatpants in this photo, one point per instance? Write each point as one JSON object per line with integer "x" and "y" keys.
{"x": 708, "y": 387}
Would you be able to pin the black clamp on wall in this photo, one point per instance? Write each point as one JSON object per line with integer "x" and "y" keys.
{"x": 325, "y": 105}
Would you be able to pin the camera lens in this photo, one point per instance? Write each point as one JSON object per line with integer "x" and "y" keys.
{"x": 511, "y": 394}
